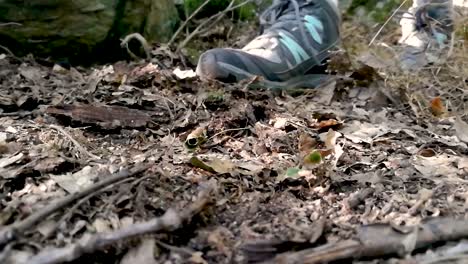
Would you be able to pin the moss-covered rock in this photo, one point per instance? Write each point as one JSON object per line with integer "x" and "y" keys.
{"x": 81, "y": 29}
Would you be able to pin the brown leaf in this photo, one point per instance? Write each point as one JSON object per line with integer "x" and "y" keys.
{"x": 306, "y": 144}
{"x": 330, "y": 123}
{"x": 437, "y": 107}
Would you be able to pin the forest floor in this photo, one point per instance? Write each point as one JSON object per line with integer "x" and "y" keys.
{"x": 131, "y": 162}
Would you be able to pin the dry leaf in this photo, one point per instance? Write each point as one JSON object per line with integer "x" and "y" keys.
{"x": 142, "y": 254}
{"x": 10, "y": 160}
{"x": 306, "y": 144}
{"x": 330, "y": 139}
{"x": 222, "y": 166}
{"x": 437, "y": 107}
{"x": 461, "y": 129}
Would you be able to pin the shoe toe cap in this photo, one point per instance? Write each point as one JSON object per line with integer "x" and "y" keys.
{"x": 208, "y": 66}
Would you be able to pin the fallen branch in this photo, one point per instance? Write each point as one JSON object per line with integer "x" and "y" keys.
{"x": 170, "y": 221}
{"x": 140, "y": 39}
{"x": 11, "y": 232}
{"x": 379, "y": 240}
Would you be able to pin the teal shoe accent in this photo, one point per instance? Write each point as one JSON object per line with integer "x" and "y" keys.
{"x": 441, "y": 38}
{"x": 314, "y": 25}
{"x": 297, "y": 51}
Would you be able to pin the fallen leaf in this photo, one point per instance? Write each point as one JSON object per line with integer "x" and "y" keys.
{"x": 46, "y": 228}
{"x": 280, "y": 122}
{"x": 142, "y": 254}
{"x": 10, "y": 160}
{"x": 427, "y": 152}
{"x": 49, "y": 164}
{"x": 11, "y": 130}
{"x": 296, "y": 173}
{"x": 437, "y": 107}
{"x": 461, "y": 129}
{"x": 438, "y": 168}
{"x": 221, "y": 166}
{"x": 74, "y": 182}
{"x": 359, "y": 132}
{"x": 184, "y": 74}
{"x": 197, "y": 258}
{"x": 330, "y": 123}
{"x": 330, "y": 139}
{"x": 196, "y": 162}
{"x": 101, "y": 225}
{"x": 313, "y": 158}
{"x": 306, "y": 144}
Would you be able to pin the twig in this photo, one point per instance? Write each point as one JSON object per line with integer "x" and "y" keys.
{"x": 140, "y": 39}
{"x": 10, "y": 232}
{"x": 170, "y": 221}
{"x": 10, "y": 53}
{"x": 369, "y": 242}
{"x": 386, "y": 22}
{"x": 83, "y": 200}
{"x": 213, "y": 20}
{"x": 10, "y": 24}
{"x": 76, "y": 143}
{"x": 186, "y": 21}
{"x": 228, "y": 130}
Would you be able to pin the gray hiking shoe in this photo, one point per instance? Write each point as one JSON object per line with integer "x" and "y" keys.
{"x": 291, "y": 51}
{"x": 426, "y": 33}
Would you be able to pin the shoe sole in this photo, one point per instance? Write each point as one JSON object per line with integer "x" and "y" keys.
{"x": 308, "y": 81}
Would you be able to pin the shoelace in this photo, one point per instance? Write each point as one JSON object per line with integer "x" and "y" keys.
{"x": 272, "y": 13}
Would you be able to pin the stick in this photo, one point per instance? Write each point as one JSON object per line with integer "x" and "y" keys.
{"x": 140, "y": 39}
{"x": 11, "y": 232}
{"x": 170, "y": 221}
{"x": 386, "y": 22}
{"x": 380, "y": 240}
{"x": 186, "y": 21}
{"x": 10, "y": 24}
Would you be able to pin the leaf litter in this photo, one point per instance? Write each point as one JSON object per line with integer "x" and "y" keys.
{"x": 132, "y": 162}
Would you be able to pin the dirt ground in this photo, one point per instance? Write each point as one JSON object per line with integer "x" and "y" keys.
{"x": 131, "y": 162}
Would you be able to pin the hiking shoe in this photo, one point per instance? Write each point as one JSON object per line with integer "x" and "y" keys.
{"x": 426, "y": 33}
{"x": 297, "y": 39}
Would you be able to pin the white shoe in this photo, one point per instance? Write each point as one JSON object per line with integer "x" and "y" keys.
{"x": 426, "y": 33}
